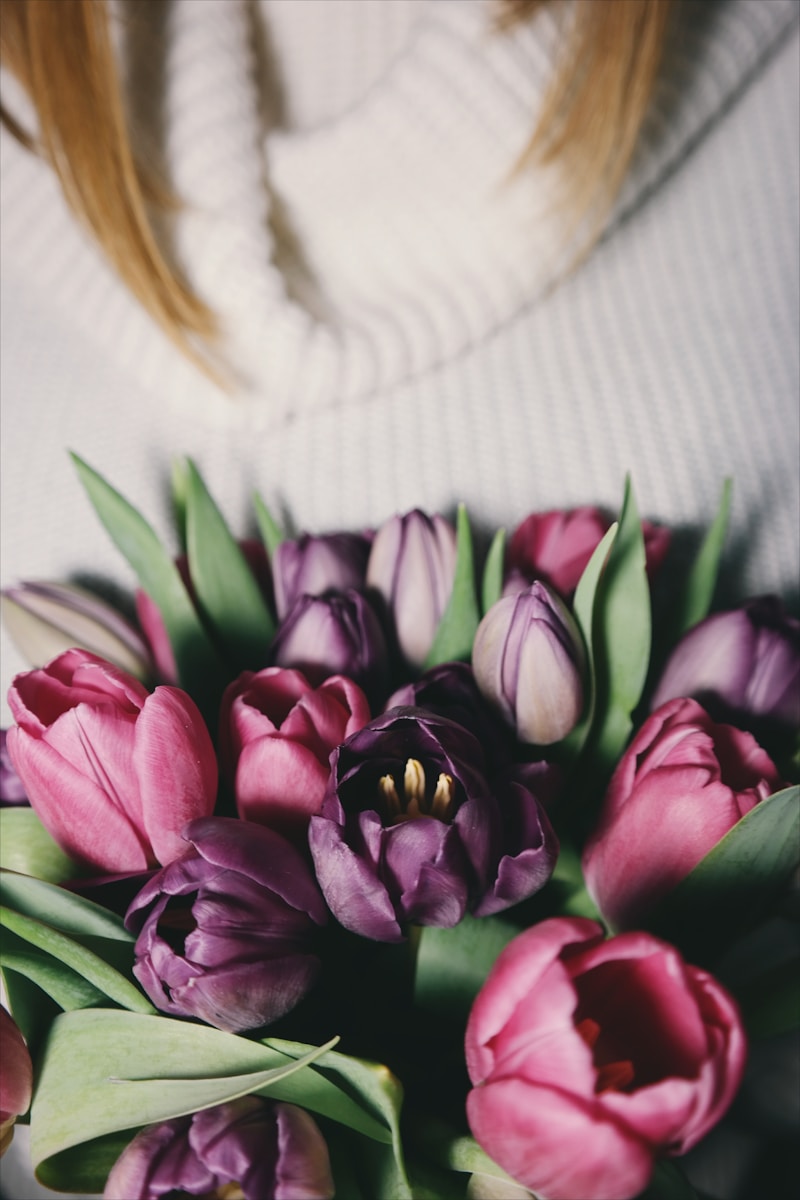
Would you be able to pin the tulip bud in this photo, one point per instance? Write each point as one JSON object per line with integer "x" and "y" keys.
{"x": 225, "y": 933}
{"x": 411, "y": 565}
{"x": 12, "y": 789}
{"x": 45, "y": 619}
{"x": 249, "y": 1147}
{"x": 312, "y": 566}
{"x": 528, "y": 661}
{"x": 16, "y": 1078}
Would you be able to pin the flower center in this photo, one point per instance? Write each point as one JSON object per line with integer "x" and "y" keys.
{"x": 613, "y": 1075}
{"x": 415, "y": 797}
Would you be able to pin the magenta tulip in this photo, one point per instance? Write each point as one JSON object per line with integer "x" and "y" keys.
{"x": 16, "y": 1078}
{"x": 591, "y": 1058}
{"x": 112, "y": 771}
{"x": 277, "y": 734}
{"x": 682, "y": 784}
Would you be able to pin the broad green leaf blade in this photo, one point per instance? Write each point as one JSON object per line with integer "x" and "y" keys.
{"x": 26, "y": 847}
{"x": 452, "y": 964}
{"x": 84, "y": 1168}
{"x": 226, "y": 587}
{"x": 31, "y": 1008}
{"x": 196, "y": 659}
{"x": 82, "y": 960}
{"x": 104, "y": 1070}
{"x": 698, "y": 591}
{"x": 456, "y": 632}
{"x": 492, "y": 586}
{"x": 60, "y": 908}
{"x": 180, "y": 487}
{"x": 621, "y": 634}
{"x": 735, "y": 882}
{"x": 57, "y": 980}
{"x": 271, "y": 533}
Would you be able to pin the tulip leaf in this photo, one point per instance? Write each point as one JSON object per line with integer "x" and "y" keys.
{"x": 196, "y": 659}
{"x": 32, "y": 1009}
{"x": 26, "y": 846}
{"x": 492, "y": 585}
{"x": 732, "y": 886}
{"x": 68, "y": 989}
{"x": 86, "y": 1167}
{"x": 271, "y": 533}
{"x": 452, "y": 964}
{"x": 81, "y": 959}
{"x": 456, "y": 632}
{"x": 621, "y": 634}
{"x": 698, "y": 591}
{"x": 60, "y": 908}
{"x": 226, "y": 588}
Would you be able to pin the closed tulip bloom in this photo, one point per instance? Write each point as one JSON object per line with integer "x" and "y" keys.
{"x": 336, "y": 634}
{"x": 12, "y": 790}
{"x": 254, "y": 1148}
{"x": 528, "y": 661}
{"x": 226, "y": 933}
{"x": 591, "y": 1058}
{"x": 412, "y": 564}
{"x": 277, "y": 733}
{"x": 681, "y": 785}
{"x": 113, "y": 772}
{"x": 412, "y": 831}
{"x": 16, "y": 1078}
{"x": 742, "y": 665}
{"x": 313, "y": 565}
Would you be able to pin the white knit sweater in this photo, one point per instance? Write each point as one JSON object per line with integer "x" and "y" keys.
{"x": 392, "y": 299}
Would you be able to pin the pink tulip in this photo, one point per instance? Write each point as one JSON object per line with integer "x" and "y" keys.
{"x": 682, "y": 784}
{"x": 16, "y": 1078}
{"x": 591, "y": 1058}
{"x": 277, "y": 735}
{"x": 112, "y": 771}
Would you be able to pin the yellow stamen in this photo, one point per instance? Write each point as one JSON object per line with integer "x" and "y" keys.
{"x": 442, "y": 800}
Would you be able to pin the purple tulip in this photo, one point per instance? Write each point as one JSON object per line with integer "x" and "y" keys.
{"x": 312, "y": 566}
{"x": 337, "y": 634}
{"x": 253, "y": 1148}
{"x": 12, "y": 789}
{"x": 411, "y": 565}
{"x": 226, "y": 932}
{"x": 412, "y": 831}
{"x": 742, "y": 666}
{"x": 528, "y": 661}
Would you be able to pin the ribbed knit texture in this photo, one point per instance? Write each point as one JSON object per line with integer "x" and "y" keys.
{"x": 392, "y": 300}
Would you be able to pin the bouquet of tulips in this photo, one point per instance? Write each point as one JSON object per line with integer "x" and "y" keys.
{"x": 367, "y": 865}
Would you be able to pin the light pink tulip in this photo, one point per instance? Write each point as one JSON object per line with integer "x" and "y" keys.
{"x": 277, "y": 735}
{"x": 112, "y": 771}
{"x": 681, "y": 785}
{"x": 16, "y": 1077}
{"x": 591, "y": 1058}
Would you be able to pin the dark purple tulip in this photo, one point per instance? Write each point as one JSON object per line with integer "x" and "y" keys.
{"x": 528, "y": 661}
{"x": 12, "y": 789}
{"x": 412, "y": 831}
{"x": 226, "y": 932}
{"x": 337, "y": 634}
{"x": 311, "y": 566}
{"x": 255, "y": 1148}
{"x": 742, "y": 665}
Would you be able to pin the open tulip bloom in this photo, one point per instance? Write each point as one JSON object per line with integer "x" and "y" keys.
{"x": 414, "y": 878}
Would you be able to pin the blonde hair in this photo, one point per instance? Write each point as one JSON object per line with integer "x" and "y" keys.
{"x": 61, "y": 52}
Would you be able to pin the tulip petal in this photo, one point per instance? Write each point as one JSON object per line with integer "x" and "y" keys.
{"x": 279, "y": 782}
{"x": 354, "y": 894}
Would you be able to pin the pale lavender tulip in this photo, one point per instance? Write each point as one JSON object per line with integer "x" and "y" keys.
{"x": 16, "y": 1078}
{"x": 112, "y": 771}
{"x": 227, "y": 932}
{"x": 742, "y": 665}
{"x": 528, "y": 661}
{"x": 313, "y": 565}
{"x": 337, "y": 634}
{"x": 258, "y": 1149}
{"x": 45, "y": 619}
{"x": 412, "y": 564}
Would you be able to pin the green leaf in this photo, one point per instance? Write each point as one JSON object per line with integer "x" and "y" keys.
{"x": 733, "y": 885}
{"x": 180, "y": 487}
{"x": 83, "y": 961}
{"x": 456, "y": 632}
{"x": 271, "y": 533}
{"x": 452, "y": 964}
{"x": 30, "y": 1007}
{"x": 621, "y": 635}
{"x": 492, "y": 586}
{"x": 195, "y": 657}
{"x": 226, "y": 588}
{"x": 84, "y": 1168}
{"x": 68, "y": 989}
{"x": 60, "y": 908}
{"x": 26, "y": 846}
{"x": 698, "y": 591}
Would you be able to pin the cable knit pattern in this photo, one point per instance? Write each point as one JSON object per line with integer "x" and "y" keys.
{"x": 393, "y": 302}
